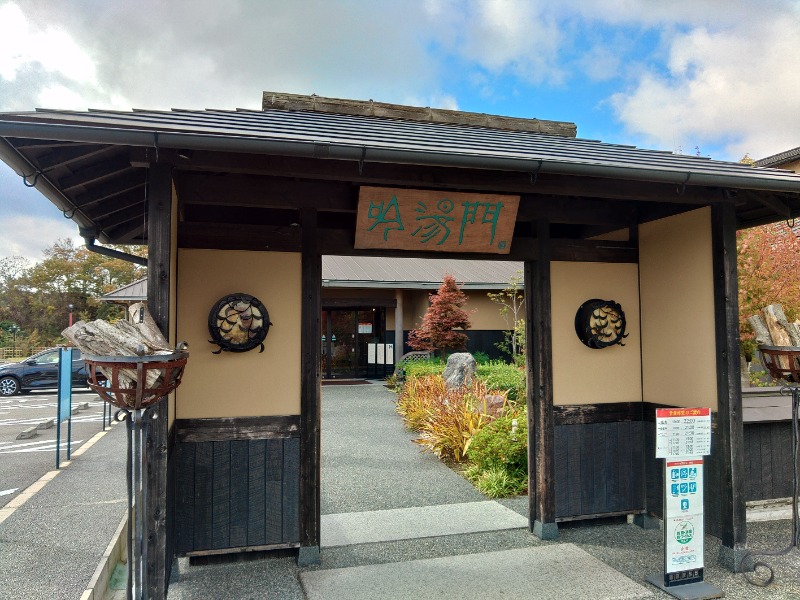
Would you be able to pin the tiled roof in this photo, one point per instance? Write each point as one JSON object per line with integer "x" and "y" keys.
{"x": 779, "y": 159}
{"x": 416, "y": 273}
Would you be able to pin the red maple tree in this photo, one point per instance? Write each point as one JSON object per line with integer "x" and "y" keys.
{"x": 443, "y": 317}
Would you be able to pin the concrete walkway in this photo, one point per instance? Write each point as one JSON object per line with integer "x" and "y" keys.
{"x": 399, "y": 524}
{"x": 51, "y": 544}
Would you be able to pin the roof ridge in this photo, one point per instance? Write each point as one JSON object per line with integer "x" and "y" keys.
{"x": 314, "y": 103}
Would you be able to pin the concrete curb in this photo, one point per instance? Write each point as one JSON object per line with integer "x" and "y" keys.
{"x": 116, "y": 552}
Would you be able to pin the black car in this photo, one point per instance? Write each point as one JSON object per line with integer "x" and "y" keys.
{"x": 39, "y": 371}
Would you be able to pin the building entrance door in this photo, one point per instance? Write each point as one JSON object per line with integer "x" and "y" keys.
{"x": 353, "y": 343}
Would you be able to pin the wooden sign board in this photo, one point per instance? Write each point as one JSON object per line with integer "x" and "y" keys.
{"x": 435, "y": 221}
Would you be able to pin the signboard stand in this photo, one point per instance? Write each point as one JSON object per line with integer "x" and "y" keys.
{"x": 683, "y": 437}
{"x": 64, "y": 401}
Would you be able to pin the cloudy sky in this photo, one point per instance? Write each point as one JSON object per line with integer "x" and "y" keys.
{"x": 716, "y": 77}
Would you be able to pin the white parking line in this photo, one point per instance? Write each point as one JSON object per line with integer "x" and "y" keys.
{"x": 7, "y": 492}
{"x": 48, "y": 448}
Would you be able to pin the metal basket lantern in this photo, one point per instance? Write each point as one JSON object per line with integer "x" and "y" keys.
{"x": 164, "y": 370}
{"x": 782, "y": 362}
{"x": 135, "y": 385}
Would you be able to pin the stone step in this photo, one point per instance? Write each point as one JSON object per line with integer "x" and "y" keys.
{"x": 347, "y": 529}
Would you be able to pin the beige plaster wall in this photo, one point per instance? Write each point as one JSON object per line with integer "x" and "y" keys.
{"x": 239, "y": 384}
{"x": 793, "y": 165}
{"x": 485, "y": 314}
{"x": 678, "y": 346}
{"x": 173, "y": 291}
{"x": 582, "y": 375}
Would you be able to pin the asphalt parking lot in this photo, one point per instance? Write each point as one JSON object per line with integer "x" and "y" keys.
{"x": 23, "y": 461}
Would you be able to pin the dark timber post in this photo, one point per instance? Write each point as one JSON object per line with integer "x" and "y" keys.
{"x": 310, "y": 391}
{"x": 159, "y": 228}
{"x": 730, "y": 463}
{"x": 539, "y": 372}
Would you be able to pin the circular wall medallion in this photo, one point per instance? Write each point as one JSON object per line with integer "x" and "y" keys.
{"x": 600, "y": 323}
{"x": 238, "y": 323}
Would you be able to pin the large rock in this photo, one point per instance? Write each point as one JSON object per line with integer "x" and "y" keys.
{"x": 460, "y": 370}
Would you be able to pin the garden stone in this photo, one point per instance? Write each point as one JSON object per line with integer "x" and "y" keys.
{"x": 493, "y": 405}
{"x": 460, "y": 370}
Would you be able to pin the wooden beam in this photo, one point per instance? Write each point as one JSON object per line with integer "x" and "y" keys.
{"x": 310, "y": 390}
{"x": 435, "y": 177}
{"x": 110, "y": 168}
{"x": 239, "y": 237}
{"x": 539, "y": 372}
{"x": 125, "y": 234}
{"x": 265, "y": 192}
{"x": 63, "y": 156}
{"x": 579, "y": 211}
{"x": 237, "y": 428}
{"x": 106, "y": 222}
{"x": 119, "y": 185}
{"x": 158, "y": 300}
{"x": 730, "y": 462}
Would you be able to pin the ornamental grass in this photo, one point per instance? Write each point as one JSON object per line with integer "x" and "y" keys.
{"x": 446, "y": 419}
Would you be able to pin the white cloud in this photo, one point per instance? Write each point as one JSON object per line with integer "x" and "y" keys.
{"x": 31, "y": 235}
{"x": 52, "y": 48}
{"x": 739, "y": 86}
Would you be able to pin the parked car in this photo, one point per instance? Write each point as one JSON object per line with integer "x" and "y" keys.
{"x": 38, "y": 372}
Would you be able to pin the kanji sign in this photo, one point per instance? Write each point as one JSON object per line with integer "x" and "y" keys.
{"x": 683, "y": 432}
{"x": 430, "y": 221}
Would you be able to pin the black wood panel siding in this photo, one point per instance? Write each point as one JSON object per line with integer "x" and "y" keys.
{"x": 768, "y": 460}
{"x": 598, "y": 469}
{"x": 237, "y": 494}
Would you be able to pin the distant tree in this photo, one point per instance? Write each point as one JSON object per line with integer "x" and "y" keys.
{"x": 768, "y": 260}
{"x": 37, "y": 297}
{"x": 443, "y": 317}
{"x": 512, "y": 309}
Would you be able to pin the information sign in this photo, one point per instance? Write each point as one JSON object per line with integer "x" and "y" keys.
{"x": 683, "y": 521}
{"x": 683, "y": 432}
{"x": 65, "y": 384}
{"x": 683, "y": 436}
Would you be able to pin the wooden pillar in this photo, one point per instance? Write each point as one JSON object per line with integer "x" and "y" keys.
{"x": 539, "y": 373}
{"x": 398, "y": 328}
{"x": 730, "y": 462}
{"x": 159, "y": 228}
{"x": 310, "y": 415}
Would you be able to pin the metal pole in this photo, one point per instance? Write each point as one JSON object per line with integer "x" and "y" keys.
{"x": 137, "y": 548}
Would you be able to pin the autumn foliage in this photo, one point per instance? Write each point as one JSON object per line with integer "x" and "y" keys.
{"x": 443, "y": 317}
{"x": 768, "y": 260}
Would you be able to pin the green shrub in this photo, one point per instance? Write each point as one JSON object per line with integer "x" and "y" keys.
{"x": 505, "y": 377}
{"x": 498, "y": 482}
{"x": 502, "y": 444}
{"x": 481, "y": 357}
{"x": 423, "y": 367}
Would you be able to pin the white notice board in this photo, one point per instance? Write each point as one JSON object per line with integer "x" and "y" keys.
{"x": 683, "y": 432}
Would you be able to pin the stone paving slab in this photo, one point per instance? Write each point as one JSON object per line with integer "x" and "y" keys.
{"x": 526, "y": 573}
{"x": 417, "y": 522}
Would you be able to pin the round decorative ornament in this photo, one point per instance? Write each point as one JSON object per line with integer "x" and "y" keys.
{"x": 600, "y": 323}
{"x": 238, "y": 323}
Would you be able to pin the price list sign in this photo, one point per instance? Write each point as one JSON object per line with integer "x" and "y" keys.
{"x": 683, "y": 432}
